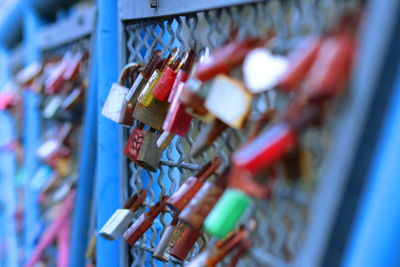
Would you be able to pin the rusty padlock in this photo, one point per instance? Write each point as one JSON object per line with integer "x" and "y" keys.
{"x": 122, "y": 218}
{"x": 202, "y": 203}
{"x": 192, "y": 185}
{"x": 168, "y": 239}
{"x": 208, "y": 134}
{"x": 149, "y": 156}
{"x": 144, "y": 222}
{"x": 185, "y": 243}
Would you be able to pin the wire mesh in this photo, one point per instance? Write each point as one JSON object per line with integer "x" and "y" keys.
{"x": 281, "y": 220}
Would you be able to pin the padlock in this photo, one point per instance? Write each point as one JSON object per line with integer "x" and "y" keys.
{"x": 122, "y": 218}
{"x": 192, "y": 185}
{"x": 193, "y": 98}
{"x": 51, "y": 150}
{"x": 146, "y": 96}
{"x": 134, "y": 142}
{"x": 234, "y": 241}
{"x": 144, "y": 222}
{"x": 55, "y": 82}
{"x": 29, "y": 73}
{"x": 149, "y": 156}
{"x": 185, "y": 243}
{"x": 183, "y": 74}
{"x": 73, "y": 100}
{"x": 91, "y": 249}
{"x": 152, "y": 115}
{"x": 223, "y": 60}
{"x": 116, "y": 108}
{"x": 300, "y": 62}
{"x": 203, "y": 202}
{"x": 53, "y": 104}
{"x": 226, "y": 214}
{"x": 235, "y": 110}
{"x": 266, "y": 149}
{"x": 332, "y": 68}
{"x": 167, "y": 82}
{"x": 164, "y": 140}
{"x": 171, "y": 232}
{"x": 177, "y": 120}
{"x": 207, "y": 136}
{"x": 142, "y": 79}
{"x": 72, "y": 70}
{"x": 262, "y": 70}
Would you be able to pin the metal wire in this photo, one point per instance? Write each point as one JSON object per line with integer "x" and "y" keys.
{"x": 281, "y": 219}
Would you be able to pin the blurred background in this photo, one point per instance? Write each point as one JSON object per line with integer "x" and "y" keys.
{"x": 63, "y": 172}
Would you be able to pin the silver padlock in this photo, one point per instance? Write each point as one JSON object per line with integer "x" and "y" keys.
{"x": 122, "y": 218}
{"x": 167, "y": 240}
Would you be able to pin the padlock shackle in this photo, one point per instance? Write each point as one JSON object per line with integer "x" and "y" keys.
{"x": 140, "y": 198}
{"x": 148, "y": 70}
{"x": 209, "y": 169}
{"x": 126, "y": 71}
{"x": 189, "y": 61}
{"x": 264, "y": 119}
{"x": 227, "y": 245}
{"x": 170, "y": 59}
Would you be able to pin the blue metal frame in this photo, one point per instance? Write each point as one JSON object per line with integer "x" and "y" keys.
{"x": 8, "y": 173}
{"x": 87, "y": 167}
{"x": 108, "y": 147}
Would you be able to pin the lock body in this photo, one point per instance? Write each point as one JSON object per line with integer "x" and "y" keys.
{"x": 227, "y": 213}
{"x": 134, "y": 144}
{"x": 117, "y": 224}
{"x": 232, "y": 112}
{"x": 185, "y": 193}
{"x": 200, "y": 205}
{"x": 177, "y": 120}
{"x": 152, "y": 115}
{"x": 137, "y": 229}
{"x": 163, "y": 88}
{"x": 165, "y": 241}
{"x": 146, "y": 97}
{"x": 115, "y": 104}
{"x": 185, "y": 243}
{"x": 266, "y": 149}
{"x": 149, "y": 153}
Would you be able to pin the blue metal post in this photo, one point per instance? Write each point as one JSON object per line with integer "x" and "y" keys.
{"x": 8, "y": 173}
{"x": 108, "y": 150}
{"x": 376, "y": 232}
{"x": 87, "y": 165}
{"x": 32, "y": 122}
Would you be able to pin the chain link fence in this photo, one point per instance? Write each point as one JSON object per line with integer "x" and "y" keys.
{"x": 281, "y": 220}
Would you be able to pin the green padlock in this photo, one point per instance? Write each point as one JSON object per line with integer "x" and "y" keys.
{"x": 227, "y": 213}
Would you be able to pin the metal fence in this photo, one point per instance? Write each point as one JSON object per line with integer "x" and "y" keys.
{"x": 281, "y": 220}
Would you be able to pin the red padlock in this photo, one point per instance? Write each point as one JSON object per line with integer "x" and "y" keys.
{"x": 144, "y": 222}
{"x": 332, "y": 68}
{"x": 177, "y": 120}
{"x": 223, "y": 60}
{"x": 73, "y": 68}
{"x": 301, "y": 60}
{"x": 192, "y": 185}
{"x": 183, "y": 74}
{"x": 134, "y": 143}
{"x": 203, "y": 202}
{"x": 266, "y": 149}
{"x": 185, "y": 243}
{"x": 55, "y": 82}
